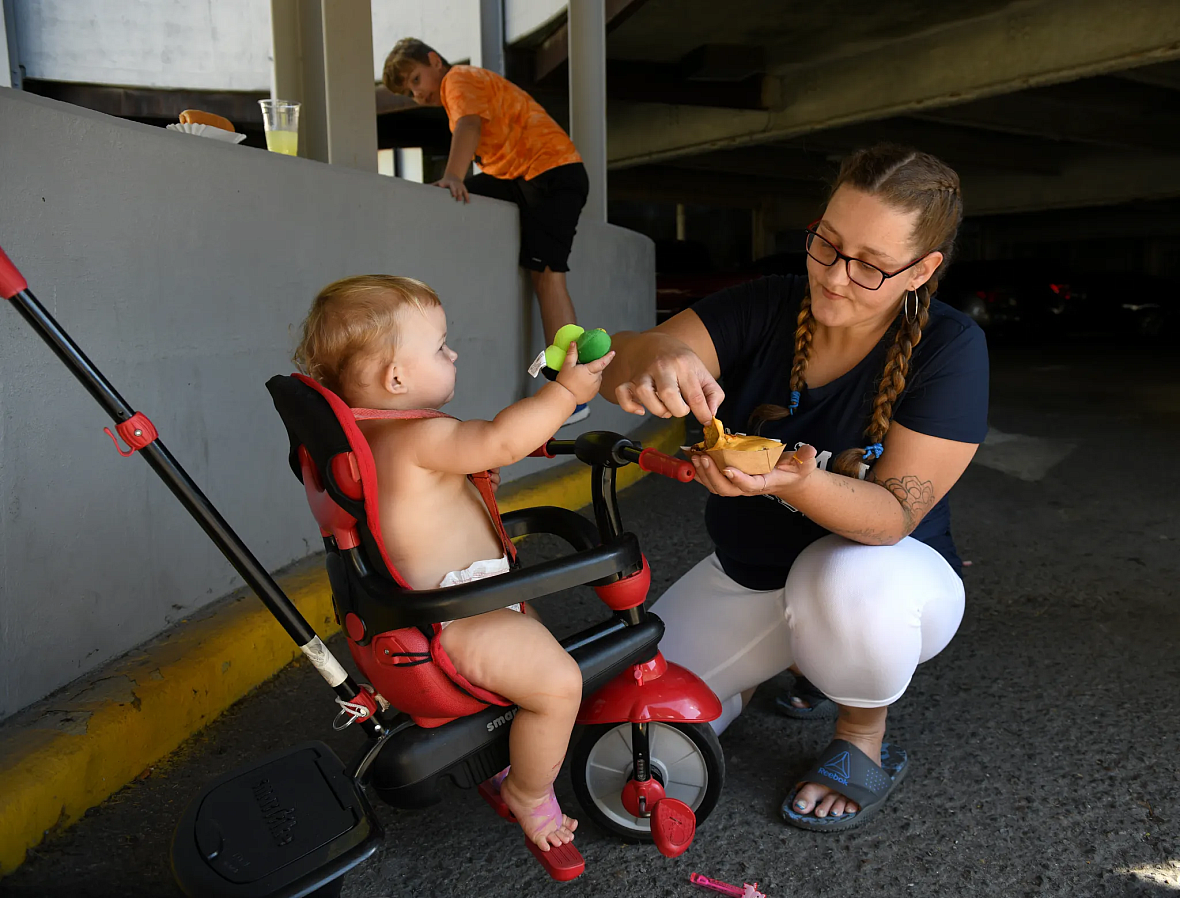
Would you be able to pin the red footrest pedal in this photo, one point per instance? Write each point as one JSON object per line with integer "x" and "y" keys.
{"x": 562, "y": 863}
{"x": 491, "y": 794}
{"x": 673, "y": 826}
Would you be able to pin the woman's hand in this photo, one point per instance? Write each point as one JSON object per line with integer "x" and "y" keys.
{"x": 672, "y": 382}
{"x": 494, "y": 478}
{"x": 788, "y": 475}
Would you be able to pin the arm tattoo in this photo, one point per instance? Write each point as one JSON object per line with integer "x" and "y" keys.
{"x": 915, "y": 496}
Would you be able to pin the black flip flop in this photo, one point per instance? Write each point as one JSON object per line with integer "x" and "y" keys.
{"x": 819, "y": 706}
{"x": 844, "y": 767}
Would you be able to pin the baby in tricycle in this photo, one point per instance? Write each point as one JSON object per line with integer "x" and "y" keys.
{"x": 380, "y": 343}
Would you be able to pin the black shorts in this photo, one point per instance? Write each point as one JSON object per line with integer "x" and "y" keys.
{"x": 549, "y": 207}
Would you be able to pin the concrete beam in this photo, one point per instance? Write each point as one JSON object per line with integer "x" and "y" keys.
{"x": 1110, "y": 112}
{"x": 1028, "y": 46}
{"x": 723, "y": 62}
{"x": 665, "y": 183}
{"x": 1163, "y": 74}
{"x": 774, "y": 162}
{"x": 815, "y": 156}
{"x": 964, "y": 149}
{"x": 554, "y": 52}
{"x": 1135, "y": 222}
{"x": 1099, "y": 180}
{"x": 653, "y": 82}
{"x": 150, "y": 103}
{"x": 391, "y": 102}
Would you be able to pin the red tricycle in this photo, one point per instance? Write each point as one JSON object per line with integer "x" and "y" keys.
{"x": 646, "y": 765}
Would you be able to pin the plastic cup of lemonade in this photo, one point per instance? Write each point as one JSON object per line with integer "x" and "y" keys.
{"x": 280, "y": 120}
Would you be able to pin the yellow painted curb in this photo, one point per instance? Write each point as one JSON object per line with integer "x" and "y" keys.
{"x": 69, "y": 753}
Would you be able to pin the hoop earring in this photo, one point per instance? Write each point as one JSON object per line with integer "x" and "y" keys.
{"x": 905, "y": 306}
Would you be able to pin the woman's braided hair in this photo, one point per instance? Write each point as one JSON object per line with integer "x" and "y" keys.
{"x": 909, "y": 181}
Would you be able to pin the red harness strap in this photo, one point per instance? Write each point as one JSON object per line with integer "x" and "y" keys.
{"x": 482, "y": 480}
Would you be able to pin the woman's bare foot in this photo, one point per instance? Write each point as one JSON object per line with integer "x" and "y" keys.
{"x": 540, "y": 818}
{"x": 864, "y": 728}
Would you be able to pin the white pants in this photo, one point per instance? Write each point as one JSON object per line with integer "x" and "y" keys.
{"x": 856, "y": 620}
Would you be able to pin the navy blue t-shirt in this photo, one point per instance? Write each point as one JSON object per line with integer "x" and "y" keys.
{"x": 753, "y": 329}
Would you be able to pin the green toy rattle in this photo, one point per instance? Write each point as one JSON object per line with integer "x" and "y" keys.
{"x": 591, "y": 345}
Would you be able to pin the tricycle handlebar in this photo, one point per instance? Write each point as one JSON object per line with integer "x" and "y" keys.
{"x": 658, "y": 463}
{"x": 614, "y": 450}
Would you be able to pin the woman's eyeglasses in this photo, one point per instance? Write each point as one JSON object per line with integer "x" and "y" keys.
{"x": 861, "y": 273}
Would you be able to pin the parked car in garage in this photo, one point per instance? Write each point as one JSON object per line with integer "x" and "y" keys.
{"x": 685, "y": 274}
{"x": 1142, "y": 307}
{"x": 1014, "y": 298}
{"x": 1034, "y": 299}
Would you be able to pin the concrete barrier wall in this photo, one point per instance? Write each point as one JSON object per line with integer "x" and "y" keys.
{"x": 220, "y": 45}
{"x": 183, "y": 267}
{"x": 224, "y": 44}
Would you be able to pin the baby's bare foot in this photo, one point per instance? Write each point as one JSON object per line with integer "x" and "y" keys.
{"x": 540, "y": 817}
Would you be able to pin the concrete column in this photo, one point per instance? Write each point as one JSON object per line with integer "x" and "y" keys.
{"x": 10, "y": 71}
{"x": 587, "y": 63}
{"x": 489, "y": 53}
{"x": 410, "y": 163}
{"x": 760, "y": 231}
{"x": 350, "y": 95}
{"x": 297, "y": 69}
{"x": 320, "y": 52}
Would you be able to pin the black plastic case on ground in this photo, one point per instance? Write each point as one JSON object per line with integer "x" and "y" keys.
{"x": 289, "y": 825}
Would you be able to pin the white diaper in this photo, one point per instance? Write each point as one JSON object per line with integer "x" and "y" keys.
{"x": 480, "y": 570}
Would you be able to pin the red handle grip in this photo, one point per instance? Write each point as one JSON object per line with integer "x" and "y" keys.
{"x": 659, "y": 463}
{"x": 12, "y": 281}
{"x": 541, "y": 451}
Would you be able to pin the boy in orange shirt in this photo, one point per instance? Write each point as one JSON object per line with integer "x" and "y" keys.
{"x": 525, "y": 157}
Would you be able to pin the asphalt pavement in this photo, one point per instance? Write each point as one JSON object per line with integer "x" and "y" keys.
{"x": 1043, "y": 741}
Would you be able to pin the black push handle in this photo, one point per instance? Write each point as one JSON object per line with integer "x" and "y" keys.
{"x": 14, "y": 287}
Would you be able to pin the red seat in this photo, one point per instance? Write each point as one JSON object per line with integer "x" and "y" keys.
{"x": 407, "y": 666}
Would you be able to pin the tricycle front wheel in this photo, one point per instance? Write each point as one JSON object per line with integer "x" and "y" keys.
{"x": 686, "y": 759}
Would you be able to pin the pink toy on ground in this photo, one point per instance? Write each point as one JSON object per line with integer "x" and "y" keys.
{"x": 714, "y": 885}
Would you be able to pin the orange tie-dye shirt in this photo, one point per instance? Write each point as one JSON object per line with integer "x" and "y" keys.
{"x": 518, "y": 138}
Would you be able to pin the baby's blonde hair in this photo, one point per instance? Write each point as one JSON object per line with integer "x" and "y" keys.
{"x": 353, "y": 318}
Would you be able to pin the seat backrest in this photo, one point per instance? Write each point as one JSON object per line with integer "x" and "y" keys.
{"x": 331, "y": 457}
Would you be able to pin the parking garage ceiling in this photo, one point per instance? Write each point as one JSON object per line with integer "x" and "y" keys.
{"x": 1039, "y": 104}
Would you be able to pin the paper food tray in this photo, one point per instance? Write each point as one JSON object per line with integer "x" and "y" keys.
{"x": 207, "y": 131}
{"x": 748, "y": 461}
